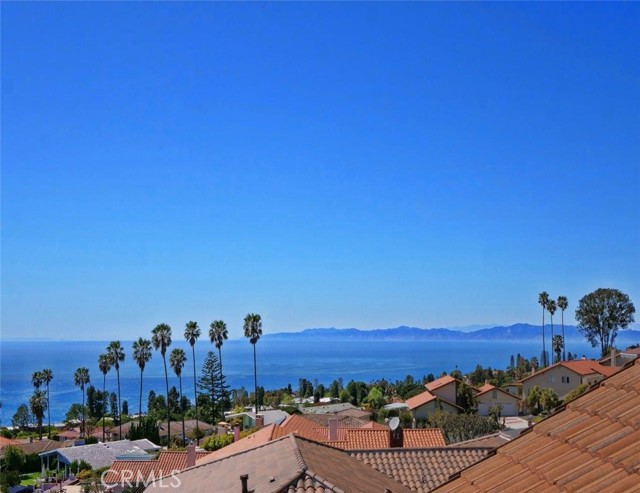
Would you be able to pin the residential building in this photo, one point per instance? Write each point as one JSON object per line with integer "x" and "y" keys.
{"x": 488, "y": 397}
{"x": 589, "y": 445}
{"x": 425, "y": 404}
{"x": 621, "y": 358}
{"x": 565, "y": 376}
{"x": 445, "y": 387}
{"x": 268, "y": 417}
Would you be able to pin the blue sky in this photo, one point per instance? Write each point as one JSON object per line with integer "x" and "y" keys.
{"x": 322, "y": 164}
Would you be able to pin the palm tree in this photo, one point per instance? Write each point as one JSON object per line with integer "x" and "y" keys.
{"x": 47, "y": 377}
{"x": 161, "y": 340}
{"x": 38, "y": 404}
{"x": 253, "y": 331}
{"x": 563, "y": 304}
{"x": 551, "y": 308}
{"x": 104, "y": 364}
{"x": 142, "y": 355}
{"x": 557, "y": 344}
{"x": 116, "y": 353}
{"x": 81, "y": 379}
{"x": 37, "y": 379}
{"x": 191, "y": 334}
{"x": 543, "y": 299}
{"x": 177, "y": 361}
{"x": 218, "y": 334}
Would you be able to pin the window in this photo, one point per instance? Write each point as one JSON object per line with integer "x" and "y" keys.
{"x": 565, "y": 379}
{"x": 551, "y": 378}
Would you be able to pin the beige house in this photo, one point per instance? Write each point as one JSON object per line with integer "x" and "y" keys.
{"x": 489, "y": 396}
{"x": 565, "y": 376}
{"x": 445, "y": 388}
{"x": 425, "y": 404}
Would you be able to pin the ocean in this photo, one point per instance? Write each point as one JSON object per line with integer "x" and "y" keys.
{"x": 280, "y": 362}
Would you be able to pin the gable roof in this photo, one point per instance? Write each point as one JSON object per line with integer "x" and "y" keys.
{"x": 440, "y": 382}
{"x": 424, "y": 469}
{"x": 487, "y": 387}
{"x": 38, "y": 446}
{"x": 285, "y": 465}
{"x": 140, "y": 470}
{"x": 260, "y": 437}
{"x": 581, "y": 367}
{"x": 301, "y": 426}
{"x": 590, "y": 445}
{"x": 420, "y": 400}
{"x": 98, "y": 454}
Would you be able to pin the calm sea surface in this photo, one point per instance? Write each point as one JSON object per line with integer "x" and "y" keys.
{"x": 279, "y": 363}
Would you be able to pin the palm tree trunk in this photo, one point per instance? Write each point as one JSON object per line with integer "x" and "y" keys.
{"x": 83, "y": 418}
{"x": 140, "y": 408}
{"x": 551, "y": 329}
{"x": 544, "y": 347}
{"x": 166, "y": 379}
{"x": 184, "y": 434}
{"x": 221, "y": 386}
{"x": 195, "y": 394}
{"x": 564, "y": 341}
{"x": 119, "y": 404}
{"x": 48, "y": 413}
{"x": 104, "y": 405}
{"x": 255, "y": 377}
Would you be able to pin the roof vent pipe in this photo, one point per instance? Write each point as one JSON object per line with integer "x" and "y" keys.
{"x": 245, "y": 487}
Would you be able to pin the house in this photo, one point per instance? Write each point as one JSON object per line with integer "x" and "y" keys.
{"x": 286, "y": 464}
{"x": 565, "y": 376}
{"x": 344, "y": 408}
{"x": 4, "y": 442}
{"x": 620, "y": 358}
{"x": 425, "y": 404}
{"x": 97, "y": 455}
{"x": 588, "y": 445}
{"x": 35, "y": 446}
{"x": 489, "y": 396}
{"x": 445, "y": 387}
{"x": 131, "y": 473}
{"x": 268, "y": 417}
{"x": 70, "y": 434}
{"x": 514, "y": 388}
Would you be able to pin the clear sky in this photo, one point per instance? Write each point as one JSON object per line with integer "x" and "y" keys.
{"x": 323, "y": 164}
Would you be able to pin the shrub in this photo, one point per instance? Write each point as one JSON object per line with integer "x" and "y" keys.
{"x": 215, "y": 442}
{"x": 460, "y": 427}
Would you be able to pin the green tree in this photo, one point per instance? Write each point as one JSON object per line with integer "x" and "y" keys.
{"x": 253, "y": 331}
{"x": 104, "y": 365}
{"x": 21, "y": 418}
{"x": 460, "y": 427}
{"x": 191, "y": 334}
{"x": 551, "y": 308}
{"x": 345, "y": 396}
{"x": 147, "y": 427}
{"x": 548, "y": 399}
{"x": 578, "y": 391}
{"x": 125, "y": 408}
{"x": 116, "y": 354}
{"x": 375, "y": 399}
{"x": 161, "y": 340}
{"x": 81, "y": 379}
{"x": 47, "y": 378}
{"x": 218, "y": 334}
{"x": 177, "y": 360}
{"x": 563, "y": 304}
{"x": 142, "y": 355}
{"x": 557, "y": 344}
{"x": 533, "y": 400}
{"x": 38, "y": 405}
{"x": 37, "y": 379}
{"x": 212, "y": 385}
{"x": 543, "y": 299}
{"x": 601, "y": 314}
{"x": 13, "y": 460}
{"x": 465, "y": 398}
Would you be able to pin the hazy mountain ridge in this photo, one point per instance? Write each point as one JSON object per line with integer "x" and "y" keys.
{"x": 514, "y": 332}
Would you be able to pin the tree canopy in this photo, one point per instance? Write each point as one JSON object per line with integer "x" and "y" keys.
{"x": 601, "y": 314}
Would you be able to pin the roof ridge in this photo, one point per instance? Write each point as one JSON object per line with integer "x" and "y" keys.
{"x": 297, "y": 453}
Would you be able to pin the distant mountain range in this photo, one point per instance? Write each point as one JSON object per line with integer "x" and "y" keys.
{"x": 514, "y": 332}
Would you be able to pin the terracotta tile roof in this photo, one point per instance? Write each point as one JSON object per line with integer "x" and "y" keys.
{"x": 486, "y": 388}
{"x": 7, "y": 441}
{"x": 39, "y": 446}
{"x": 287, "y": 465}
{"x": 591, "y": 445}
{"x": 260, "y": 437}
{"x": 421, "y": 470}
{"x": 344, "y": 420}
{"x": 166, "y": 463}
{"x": 372, "y": 439}
{"x": 70, "y": 434}
{"x": 301, "y": 426}
{"x": 420, "y": 400}
{"x": 440, "y": 382}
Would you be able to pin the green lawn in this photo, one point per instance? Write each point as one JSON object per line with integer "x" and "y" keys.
{"x": 29, "y": 479}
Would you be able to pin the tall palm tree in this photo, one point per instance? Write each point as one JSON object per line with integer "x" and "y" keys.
{"x": 161, "y": 340}
{"x": 38, "y": 404}
{"x": 116, "y": 353}
{"x": 47, "y": 377}
{"x": 81, "y": 379}
{"x": 557, "y": 343}
{"x": 551, "y": 308}
{"x": 142, "y": 355}
{"x": 543, "y": 299}
{"x": 218, "y": 334}
{"x": 191, "y": 334}
{"x": 37, "y": 379}
{"x": 177, "y": 361}
{"x": 253, "y": 331}
{"x": 563, "y": 304}
{"x": 104, "y": 364}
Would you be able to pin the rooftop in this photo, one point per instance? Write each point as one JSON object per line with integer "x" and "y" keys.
{"x": 440, "y": 382}
{"x": 164, "y": 465}
{"x": 591, "y": 445}
{"x": 581, "y": 367}
{"x": 99, "y": 454}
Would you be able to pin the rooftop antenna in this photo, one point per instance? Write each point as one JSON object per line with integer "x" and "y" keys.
{"x": 394, "y": 423}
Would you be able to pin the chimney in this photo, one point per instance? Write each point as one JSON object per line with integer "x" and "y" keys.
{"x": 30, "y": 439}
{"x": 584, "y": 357}
{"x": 333, "y": 429}
{"x": 396, "y": 439}
{"x": 191, "y": 455}
{"x": 613, "y": 357}
{"x": 245, "y": 486}
{"x": 259, "y": 421}
{"x": 236, "y": 433}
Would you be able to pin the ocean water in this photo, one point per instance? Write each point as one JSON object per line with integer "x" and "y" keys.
{"x": 280, "y": 362}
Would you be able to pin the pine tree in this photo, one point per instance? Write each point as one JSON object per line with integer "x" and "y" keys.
{"x": 212, "y": 383}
